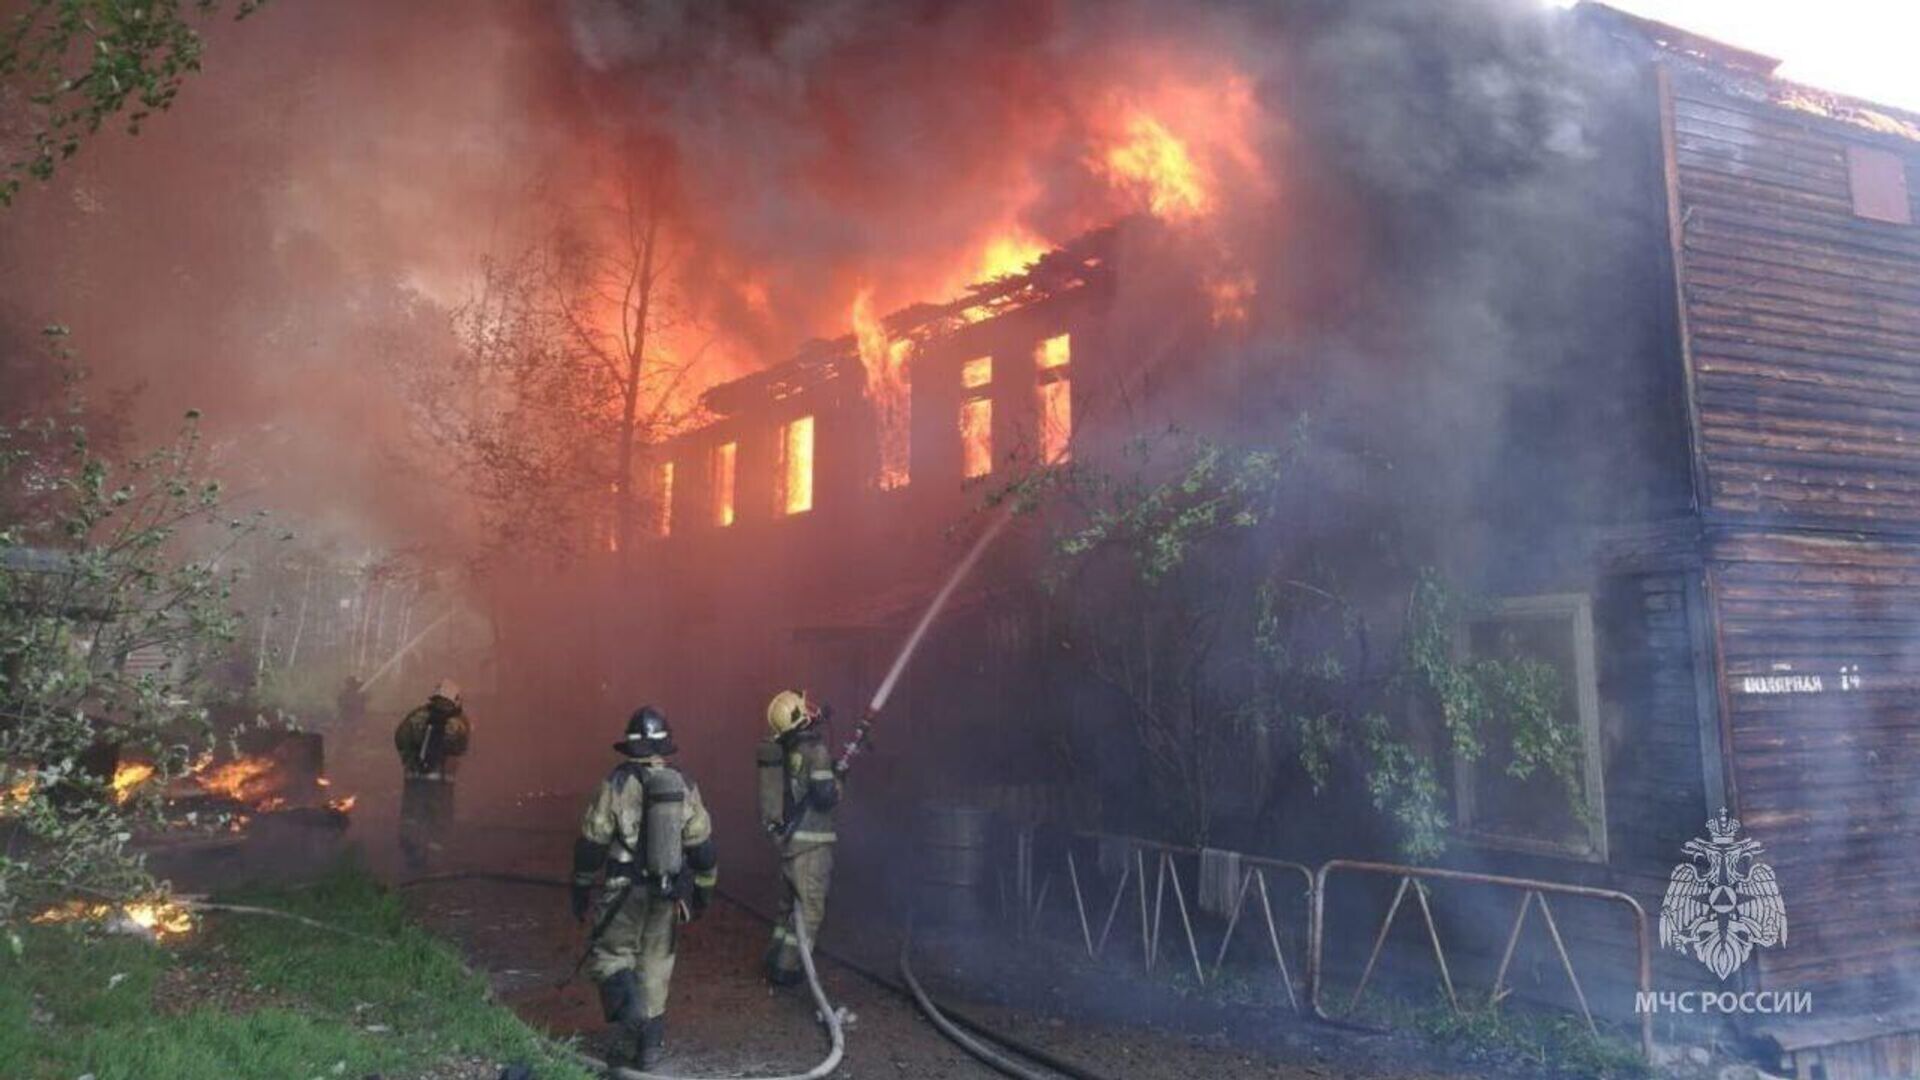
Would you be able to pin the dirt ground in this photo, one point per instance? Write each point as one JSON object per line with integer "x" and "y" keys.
{"x": 724, "y": 1021}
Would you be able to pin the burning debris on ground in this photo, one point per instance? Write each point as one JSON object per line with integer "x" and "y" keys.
{"x": 1164, "y": 537}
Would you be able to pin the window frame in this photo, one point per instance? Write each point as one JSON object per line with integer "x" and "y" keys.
{"x": 976, "y": 394}
{"x": 1577, "y": 608}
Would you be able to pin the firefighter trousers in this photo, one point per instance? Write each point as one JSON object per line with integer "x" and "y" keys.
{"x": 426, "y": 818}
{"x": 639, "y": 939}
{"x": 805, "y": 874}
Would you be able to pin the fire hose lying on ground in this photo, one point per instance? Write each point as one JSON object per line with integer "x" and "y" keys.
{"x": 830, "y": 1015}
{"x": 949, "y": 1023}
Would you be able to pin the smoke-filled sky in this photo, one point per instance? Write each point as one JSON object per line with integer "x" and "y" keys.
{"x": 328, "y": 186}
{"x": 325, "y": 190}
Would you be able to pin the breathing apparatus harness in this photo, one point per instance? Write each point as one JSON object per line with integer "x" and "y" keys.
{"x": 781, "y": 811}
{"x": 659, "y": 865}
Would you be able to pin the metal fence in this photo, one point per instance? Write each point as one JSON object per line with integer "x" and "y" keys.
{"x": 1254, "y": 877}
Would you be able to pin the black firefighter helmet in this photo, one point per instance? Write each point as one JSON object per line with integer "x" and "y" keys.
{"x": 647, "y": 734}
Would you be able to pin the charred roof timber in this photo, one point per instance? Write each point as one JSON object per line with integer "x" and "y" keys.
{"x": 822, "y": 362}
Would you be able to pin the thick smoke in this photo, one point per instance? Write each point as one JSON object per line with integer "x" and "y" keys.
{"x": 304, "y": 214}
{"x": 327, "y": 187}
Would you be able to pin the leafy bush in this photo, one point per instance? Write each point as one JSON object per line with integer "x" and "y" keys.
{"x": 114, "y": 582}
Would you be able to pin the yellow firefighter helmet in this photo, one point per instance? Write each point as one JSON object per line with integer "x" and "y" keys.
{"x": 788, "y": 711}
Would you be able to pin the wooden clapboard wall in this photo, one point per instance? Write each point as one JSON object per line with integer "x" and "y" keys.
{"x": 1798, "y": 274}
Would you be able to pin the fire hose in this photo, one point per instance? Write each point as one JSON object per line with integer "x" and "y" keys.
{"x": 947, "y": 1027}
{"x": 949, "y": 1022}
{"x": 836, "y": 1033}
{"x": 948, "y": 1019}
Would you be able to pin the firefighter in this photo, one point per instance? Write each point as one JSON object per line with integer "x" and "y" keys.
{"x": 799, "y": 787}
{"x": 430, "y": 740}
{"x": 650, "y": 833}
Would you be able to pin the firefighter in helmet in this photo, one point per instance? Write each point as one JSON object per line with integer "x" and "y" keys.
{"x": 649, "y": 832}
{"x": 799, "y": 787}
{"x": 430, "y": 740}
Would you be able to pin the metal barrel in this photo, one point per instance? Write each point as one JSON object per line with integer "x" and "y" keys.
{"x": 956, "y": 869}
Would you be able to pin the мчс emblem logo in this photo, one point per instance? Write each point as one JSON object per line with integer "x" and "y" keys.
{"x": 1722, "y": 902}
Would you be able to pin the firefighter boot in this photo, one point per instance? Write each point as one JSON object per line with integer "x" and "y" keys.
{"x": 620, "y": 1004}
{"x": 652, "y": 1050}
{"x": 779, "y": 975}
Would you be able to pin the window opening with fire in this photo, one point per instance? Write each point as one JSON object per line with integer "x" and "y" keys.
{"x": 1052, "y": 362}
{"x": 796, "y": 466}
{"x": 725, "y": 457}
{"x": 1534, "y": 813}
{"x": 976, "y": 417}
{"x": 663, "y": 499}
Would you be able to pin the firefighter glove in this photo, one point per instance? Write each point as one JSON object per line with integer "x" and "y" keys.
{"x": 582, "y": 898}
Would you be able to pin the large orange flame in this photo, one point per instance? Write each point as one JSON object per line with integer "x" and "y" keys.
{"x": 1009, "y": 252}
{"x": 885, "y": 363}
{"x": 1151, "y": 161}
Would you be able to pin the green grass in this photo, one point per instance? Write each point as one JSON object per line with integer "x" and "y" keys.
{"x": 1557, "y": 1043}
{"x": 1515, "y": 1038}
{"x": 64, "y": 1013}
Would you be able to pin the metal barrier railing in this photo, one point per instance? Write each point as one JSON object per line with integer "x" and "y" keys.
{"x": 1532, "y": 893}
{"x": 1253, "y": 879}
{"x": 1260, "y": 866}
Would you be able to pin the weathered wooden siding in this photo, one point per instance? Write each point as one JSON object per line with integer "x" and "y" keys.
{"x": 1827, "y": 766}
{"x": 1803, "y": 319}
{"x": 1802, "y": 339}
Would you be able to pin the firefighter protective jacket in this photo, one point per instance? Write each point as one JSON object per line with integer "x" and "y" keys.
{"x": 434, "y": 762}
{"x": 813, "y": 790}
{"x": 616, "y": 821}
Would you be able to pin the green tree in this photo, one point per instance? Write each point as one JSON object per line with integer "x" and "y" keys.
{"x": 1200, "y": 584}
{"x": 101, "y": 563}
{"x": 567, "y": 368}
{"x": 68, "y": 67}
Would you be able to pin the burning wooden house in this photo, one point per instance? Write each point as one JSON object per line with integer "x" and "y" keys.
{"x": 1715, "y": 538}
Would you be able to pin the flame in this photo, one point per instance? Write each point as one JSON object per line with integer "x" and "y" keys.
{"x": 344, "y": 804}
{"x": 796, "y": 473}
{"x": 1056, "y": 421}
{"x": 976, "y": 437}
{"x": 244, "y": 779}
{"x": 128, "y": 777}
{"x": 1230, "y": 297}
{"x": 18, "y": 793}
{"x": 726, "y": 459}
{"x": 1155, "y": 164}
{"x": 1009, "y": 253}
{"x": 160, "y": 918}
{"x": 887, "y": 389}
{"x": 1051, "y": 360}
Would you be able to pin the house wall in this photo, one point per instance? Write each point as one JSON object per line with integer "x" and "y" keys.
{"x": 1802, "y": 333}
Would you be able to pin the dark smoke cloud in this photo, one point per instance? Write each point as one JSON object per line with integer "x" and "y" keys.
{"x": 314, "y": 199}
{"x": 325, "y": 189}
